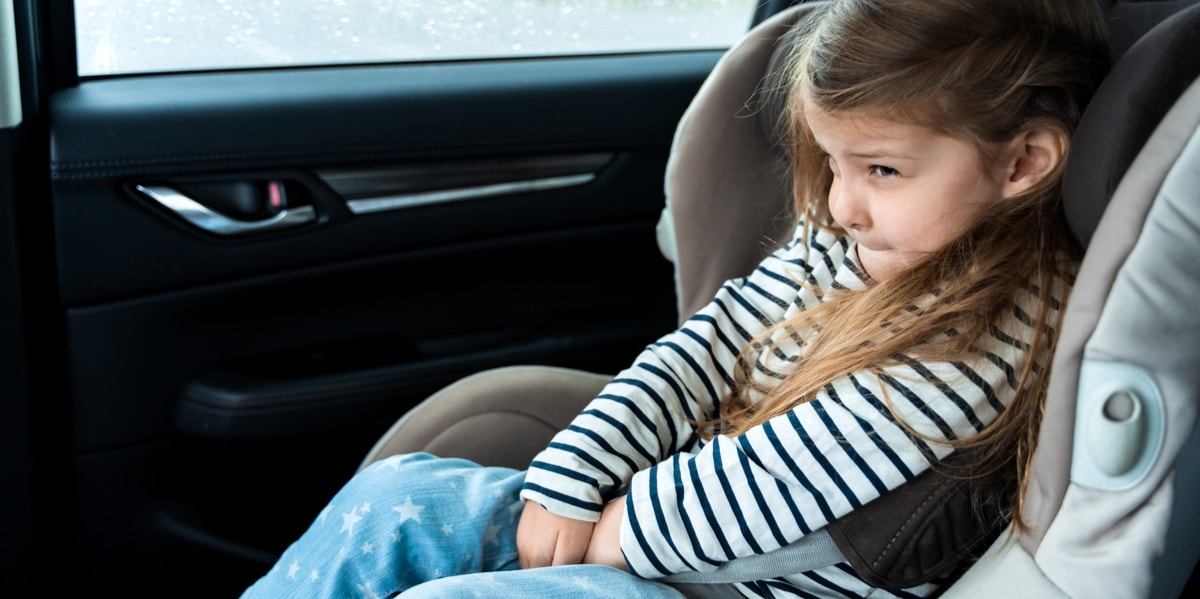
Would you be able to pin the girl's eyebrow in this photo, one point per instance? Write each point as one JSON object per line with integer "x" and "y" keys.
{"x": 877, "y": 155}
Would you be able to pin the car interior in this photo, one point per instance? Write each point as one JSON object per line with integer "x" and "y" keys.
{"x": 224, "y": 289}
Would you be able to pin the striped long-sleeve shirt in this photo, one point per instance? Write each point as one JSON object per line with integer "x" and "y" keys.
{"x": 692, "y": 504}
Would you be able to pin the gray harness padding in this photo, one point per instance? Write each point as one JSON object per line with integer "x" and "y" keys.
{"x": 815, "y": 551}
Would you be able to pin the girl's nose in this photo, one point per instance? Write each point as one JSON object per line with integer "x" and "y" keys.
{"x": 846, "y": 206}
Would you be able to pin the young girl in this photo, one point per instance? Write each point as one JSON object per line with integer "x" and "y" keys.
{"x": 912, "y": 315}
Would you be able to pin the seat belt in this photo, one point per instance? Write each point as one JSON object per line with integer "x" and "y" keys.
{"x": 813, "y": 551}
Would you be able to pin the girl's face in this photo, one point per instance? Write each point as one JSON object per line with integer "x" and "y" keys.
{"x": 900, "y": 191}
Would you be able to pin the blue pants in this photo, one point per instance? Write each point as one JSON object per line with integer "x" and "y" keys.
{"x": 430, "y": 527}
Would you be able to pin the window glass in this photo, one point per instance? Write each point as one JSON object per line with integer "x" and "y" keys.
{"x": 134, "y": 36}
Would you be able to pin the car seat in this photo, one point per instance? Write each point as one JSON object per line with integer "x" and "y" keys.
{"x": 1111, "y": 498}
{"x": 1107, "y": 498}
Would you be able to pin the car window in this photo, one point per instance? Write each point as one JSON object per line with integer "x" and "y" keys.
{"x": 137, "y": 36}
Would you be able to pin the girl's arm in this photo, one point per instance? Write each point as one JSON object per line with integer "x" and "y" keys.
{"x": 605, "y": 546}
{"x": 767, "y": 488}
{"x": 648, "y": 411}
{"x": 544, "y": 539}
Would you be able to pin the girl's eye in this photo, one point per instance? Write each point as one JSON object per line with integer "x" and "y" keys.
{"x": 886, "y": 172}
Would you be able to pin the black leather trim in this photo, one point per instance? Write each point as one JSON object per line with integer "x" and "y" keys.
{"x": 927, "y": 529}
{"x": 208, "y": 122}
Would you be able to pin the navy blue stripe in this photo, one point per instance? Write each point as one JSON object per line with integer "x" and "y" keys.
{"x": 821, "y": 460}
{"x": 779, "y": 353}
{"x": 1009, "y": 374}
{"x": 1022, "y": 316}
{"x": 686, "y": 398}
{"x": 700, "y": 374}
{"x": 766, "y": 295}
{"x": 712, "y": 356}
{"x": 673, "y": 435}
{"x": 721, "y": 336}
{"x": 598, "y": 439}
{"x": 732, "y": 321}
{"x": 749, "y": 308}
{"x": 784, "y": 492}
{"x": 855, "y": 457}
{"x": 625, "y": 432}
{"x": 794, "y": 468}
{"x": 1008, "y": 340}
{"x": 826, "y": 258}
{"x": 791, "y": 589}
{"x": 702, "y": 498}
{"x": 555, "y": 495}
{"x": 870, "y": 431}
{"x": 567, "y": 472}
{"x": 738, "y": 515}
{"x": 921, "y": 406}
{"x": 988, "y": 392}
{"x": 829, "y": 584}
{"x": 882, "y": 408}
{"x": 680, "y": 497}
{"x": 661, "y": 519}
{"x": 946, "y": 390}
{"x": 631, "y": 407}
{"x": 763, "y": 508}
{"x": 762, "y": 369}
{"x": 682, "y": 395}
{"x": 779, "y": 277}
{"x": 816, "y": 245}
{"x": 587, "y": 457}
{"x": 636, "y": 526}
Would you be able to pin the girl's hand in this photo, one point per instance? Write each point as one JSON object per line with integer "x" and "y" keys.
{"x": 544, "y": 539}
{"x": 605, "y": 546}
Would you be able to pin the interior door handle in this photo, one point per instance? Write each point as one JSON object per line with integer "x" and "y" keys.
{"x": 214, "y": 222}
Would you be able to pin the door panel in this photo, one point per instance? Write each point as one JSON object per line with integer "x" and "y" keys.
{"x": 222, "y": 387}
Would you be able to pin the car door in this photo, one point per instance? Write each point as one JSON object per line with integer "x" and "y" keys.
{"x": 16, "y": 429}
{"x": 227, "y": 281}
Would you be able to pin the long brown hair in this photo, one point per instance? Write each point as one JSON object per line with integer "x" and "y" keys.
{"x": 981, "y": 71}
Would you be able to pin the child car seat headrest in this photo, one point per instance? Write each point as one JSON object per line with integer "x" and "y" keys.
{"x": 1129, "y": 19}
{"x": 1126, "y": 109}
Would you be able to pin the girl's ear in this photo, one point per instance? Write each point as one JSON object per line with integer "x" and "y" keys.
{"x": 1032, "y": 154}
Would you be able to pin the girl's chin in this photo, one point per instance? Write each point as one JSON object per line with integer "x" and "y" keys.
{"x": 880, "y": 265}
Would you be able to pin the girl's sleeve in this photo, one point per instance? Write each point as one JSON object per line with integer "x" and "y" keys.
{"x": 767, "y": 488}
{"x": 648, "y": 412}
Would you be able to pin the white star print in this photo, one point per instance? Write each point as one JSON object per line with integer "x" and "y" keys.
{"x": 447, "y": 529}
{"x": 325, "y": 512}
{"x": 396, "y": 537}
{"x": 292, "y": 569}
{"x": 583, "y": 583}
{"x": 408, "y": 511}
{"x": 453, "y": 485}
{"x": 370, "y": 593}
{"x": 349, "y": 519}
{"x": 366, "y": 508}
{"x": 367, "y": 548}
{"x": 314, "y": 576}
